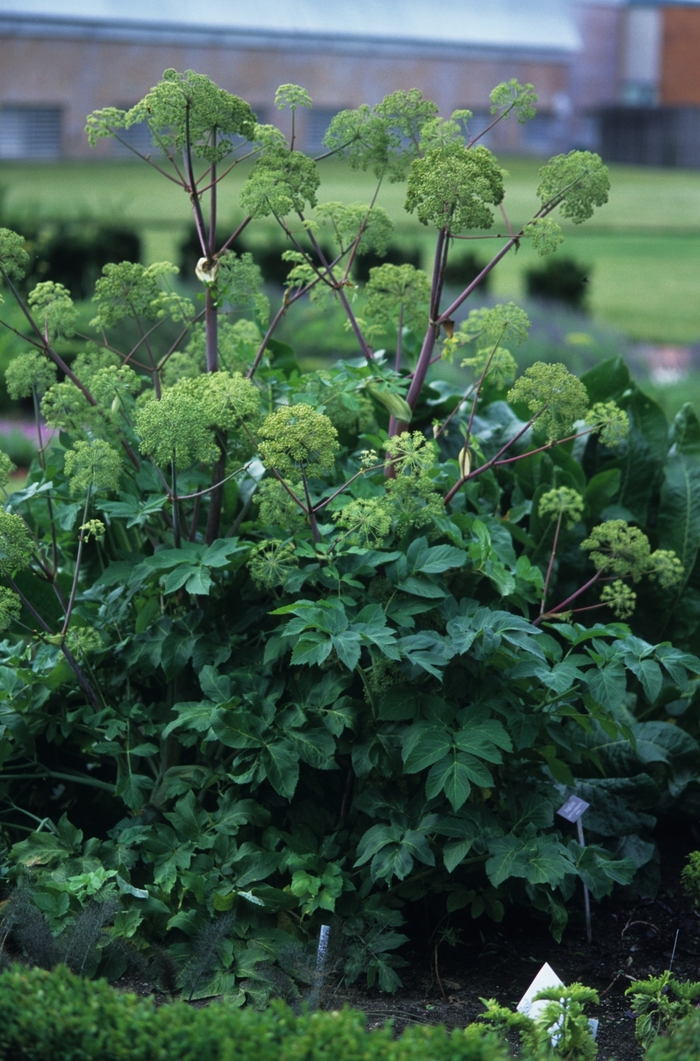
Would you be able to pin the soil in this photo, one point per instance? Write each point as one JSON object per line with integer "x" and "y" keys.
{"x": 632, "y": 937}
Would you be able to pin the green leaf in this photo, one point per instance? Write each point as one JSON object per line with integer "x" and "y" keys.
{"x": 311, "y": 648}
{"x": 195, "y": 714}
{"x": 222, "y": 551}
{"x": 199, "y": 582}
{"x": 679, "y": 512}
{"x": 395, "y": 405}
{"x": 424, "y": 744}
{"x": 237, "y": 729}
{"x": 601, "y": 491}
{"x": 608, "y": 684}
{"x": 133, "y": 790}
{"x": 348, "y": 646}
{"x": 598, "y": 870}
{"x": 562, "y": 677}
{"x": 685, "y": 431}
{"x": 455, "y": 852}
{"x": 283, "y": 356}
{"x": 394, "y": 860}
{"x": 649, "y": 673}
{"x": 537, "y": 859}
{"x": 481, "y": 735}
{"x": 214, "y": 685}
{"x": 281, "y": 763}
{"x": 607, "y": 381}
{"x": 315, "y": 746}
{"x": 441, "y": 558}
{"x": 452, "y": 775}
{"x": 420, "y": 587}
{"x": 377, "y": 837}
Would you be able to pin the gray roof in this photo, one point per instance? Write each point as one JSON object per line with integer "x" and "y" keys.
{"x": 522, "y": 25}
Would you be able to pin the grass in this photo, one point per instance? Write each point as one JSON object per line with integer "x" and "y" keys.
{"x": 643, "y": 247}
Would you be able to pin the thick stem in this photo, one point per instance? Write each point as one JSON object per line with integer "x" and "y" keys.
{"x": 399, "y": 340}
{"x": 192, "y": 186}
{"x": 310, "y": 510}
{"x": 211, "y": 244}
{"x": 364, "y": 345}
{"x": 286, "y": 303}
{"x": 478, "y": 388}
{"x": 494, "y": 460}
{"x": 81, "y": 779}
{"x": 432, "y": 333}
{"x": 212, "y": 329}
{"x": 217, "y": 495}
{"x": 76, "y": 574}
{"x": 175, "y": 503}
{"x": 551, "y": 563}
{"x": 468, "y": 290}
{"x": 232, "y": 238}
{"x": 421, "y": 370}
{"x": 358, "y": 237}
{"x": 195, "y": 518}
{"x": 70, "y": 658}
{"x": 45, "y": 345}
{"x": 154, "y": 366}
{"x": 561, "y": 607}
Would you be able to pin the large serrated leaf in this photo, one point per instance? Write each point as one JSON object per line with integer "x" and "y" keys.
{"x": 679, "y": 511}
{"x": 451, "y": 776}
{"x": 423, "y": 745}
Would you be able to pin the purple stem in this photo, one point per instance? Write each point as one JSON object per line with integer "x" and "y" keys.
{"x": 70, "y": 658}
{"x": 431, "y": 335}
{"x": 468, "y": 290}
{"x": 489, "y": 464}
{"x": 551, "y": 563}
{"x": 560, "y": 607}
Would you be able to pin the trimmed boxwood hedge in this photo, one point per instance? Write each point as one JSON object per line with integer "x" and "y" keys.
{"x": 57, "y": 1016}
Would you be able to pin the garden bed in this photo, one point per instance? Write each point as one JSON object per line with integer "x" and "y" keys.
{"x": 633, "y": 938}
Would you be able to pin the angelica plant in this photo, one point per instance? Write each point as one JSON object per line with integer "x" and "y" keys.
{"x": 298, "y": 626}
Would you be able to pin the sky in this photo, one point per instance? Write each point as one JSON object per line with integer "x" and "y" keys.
{"x": 546, "y": 23}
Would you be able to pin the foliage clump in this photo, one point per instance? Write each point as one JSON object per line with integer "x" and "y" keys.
{"x": 311, "y": 646}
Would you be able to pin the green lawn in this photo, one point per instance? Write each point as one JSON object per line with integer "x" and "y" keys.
{"x": 643, "y": 247}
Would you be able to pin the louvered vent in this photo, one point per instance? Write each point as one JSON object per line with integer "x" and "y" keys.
{"x": 30, "y": 132}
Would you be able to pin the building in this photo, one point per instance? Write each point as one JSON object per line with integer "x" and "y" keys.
{"x": 636, "y": 80}
{"x": 61, "y": 60}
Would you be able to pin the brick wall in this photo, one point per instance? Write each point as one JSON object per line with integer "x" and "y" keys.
{"x": 680, "y": 57}
{"x": 83, "y": 75}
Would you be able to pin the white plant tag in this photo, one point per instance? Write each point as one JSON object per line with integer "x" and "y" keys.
{"x": 545, "y": 978}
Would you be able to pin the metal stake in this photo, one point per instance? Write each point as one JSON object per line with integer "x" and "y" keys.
{"x": 586, "y": 896}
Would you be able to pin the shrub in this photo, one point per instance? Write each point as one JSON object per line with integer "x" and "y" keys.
{"x": 464, "y": 270}
{"x": 73, "y": 254}
{"x": 59, "y": 1017}
{"x": 660, "y": 1002}
{"x": 681, "y": 1041}
{"x": 559, "y": 280}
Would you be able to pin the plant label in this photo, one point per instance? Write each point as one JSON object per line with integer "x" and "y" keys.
{"x": 573, "y": 808}
{"x": 545, "y": 978}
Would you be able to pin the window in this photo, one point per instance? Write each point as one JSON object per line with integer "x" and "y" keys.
{"x": 316, "y": 126}
{"x": 540, "y": 134}
{"x": 30, "y": 132}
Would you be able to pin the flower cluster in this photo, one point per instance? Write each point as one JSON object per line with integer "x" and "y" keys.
{"x": 556, "y": 398}
{"x": 562, "y": 502}
{"x": 295, "y": 438}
